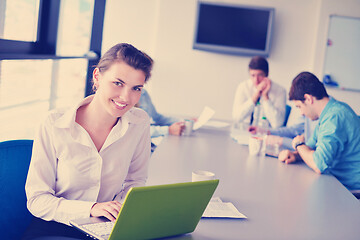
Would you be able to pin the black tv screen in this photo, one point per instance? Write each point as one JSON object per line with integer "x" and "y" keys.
{"x": 233, "y": 29}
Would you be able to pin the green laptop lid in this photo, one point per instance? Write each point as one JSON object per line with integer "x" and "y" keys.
{"x": 162, "y": 210}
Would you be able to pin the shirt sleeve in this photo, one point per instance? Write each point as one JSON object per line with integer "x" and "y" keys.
{"x": 311, "y": 142}
{"x": 138, "y": 169}
{"x": 40, "y": 184}
{"x": 274, "y": 107}
{"x": 162, "y": 120}
{"x": 289, "y": 132}
{"x": 243, "y": 105}
{"x": 329, "y": 144}
{"x": 157, "y": 131}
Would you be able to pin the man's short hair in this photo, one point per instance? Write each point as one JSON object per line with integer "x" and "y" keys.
{"x": 307, "y": 83}
{"x": 259, "y": 63}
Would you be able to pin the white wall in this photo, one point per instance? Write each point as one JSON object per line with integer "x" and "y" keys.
{"x": 349, "y": 8}
{"x": 185, "y": 80}
{"x": 131, "y": 21}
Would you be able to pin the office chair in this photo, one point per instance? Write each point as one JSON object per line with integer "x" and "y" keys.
{"x": 287, "y": 114}
{"x": 15, "y": 158}
{"x": 356, "y": 193}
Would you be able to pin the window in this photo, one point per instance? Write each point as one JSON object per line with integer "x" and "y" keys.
{"x": 20, "y": 13}
{"x": 75, "y": 27}
{"x": 42, "y": 68}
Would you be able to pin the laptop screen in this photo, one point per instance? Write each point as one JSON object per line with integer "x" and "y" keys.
{"x": 159, "y": 211}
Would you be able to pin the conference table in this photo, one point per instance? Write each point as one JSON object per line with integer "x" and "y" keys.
{"x": 281, "y": 201}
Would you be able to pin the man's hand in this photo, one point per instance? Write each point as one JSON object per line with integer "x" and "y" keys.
{"x": 262, "y": 90}
{"x": 266, "y": 88}
{"x": 262, "y": 85}
{"x": 305, "y": 153}
{"x": 287, "y": 156}
{"x": 253, "y": 129}
{"x": 299, "y": 138}
{"x": 176, "y": 128}
{"x": 110, "y": 210}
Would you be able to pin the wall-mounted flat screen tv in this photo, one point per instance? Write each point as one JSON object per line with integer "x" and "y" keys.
{"x": 233, "y": 29}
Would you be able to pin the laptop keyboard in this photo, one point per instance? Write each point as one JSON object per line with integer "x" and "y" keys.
{"x": 100, "y": 229}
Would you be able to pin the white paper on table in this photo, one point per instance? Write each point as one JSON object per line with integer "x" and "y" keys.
{"x": 215, "y": 199}
{"x": 219, "y": 209}
{"x": 205, "y": 115}
{"x": 241, "y": 138}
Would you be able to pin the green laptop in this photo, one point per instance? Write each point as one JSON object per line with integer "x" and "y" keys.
{"x": 154, "y": 212}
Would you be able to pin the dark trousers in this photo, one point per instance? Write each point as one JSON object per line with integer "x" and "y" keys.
{"x": 41, "y": 229}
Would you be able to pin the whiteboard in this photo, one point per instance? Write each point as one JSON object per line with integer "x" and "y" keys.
{"x": 342, "y": 58}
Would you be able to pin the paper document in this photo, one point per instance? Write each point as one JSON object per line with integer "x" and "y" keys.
{"x": 219, "y": 209}
{"x": 241, "y": 137}
{"x": 205, "y": 115}
{"x": 215, "y": 199}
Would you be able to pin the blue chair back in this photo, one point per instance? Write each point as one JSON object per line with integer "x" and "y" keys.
{"x": 15, "y": 158}
{"x": 287, "y": 114}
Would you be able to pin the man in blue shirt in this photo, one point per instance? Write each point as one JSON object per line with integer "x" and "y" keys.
{"x": 161, "y": 125}
{"x": 334, "y": 147}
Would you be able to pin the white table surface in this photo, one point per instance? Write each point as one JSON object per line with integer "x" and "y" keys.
{"x": 281, "y": 201}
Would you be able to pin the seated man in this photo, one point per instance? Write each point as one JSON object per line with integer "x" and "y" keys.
{"x": 334, "y": 147}
{"x": 161, "y": 125}
{"x": 259, "y": 97}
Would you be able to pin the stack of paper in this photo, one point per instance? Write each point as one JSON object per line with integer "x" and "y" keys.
{"x": 219, "y": 209}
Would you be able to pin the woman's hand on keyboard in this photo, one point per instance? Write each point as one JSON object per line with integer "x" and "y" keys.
{"x": 110, "y": 210}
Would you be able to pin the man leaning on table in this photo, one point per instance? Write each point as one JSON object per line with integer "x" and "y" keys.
{"x": 334, "y": 147}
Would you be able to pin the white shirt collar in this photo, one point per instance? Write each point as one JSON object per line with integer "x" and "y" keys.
{"x": 68, "y": 119}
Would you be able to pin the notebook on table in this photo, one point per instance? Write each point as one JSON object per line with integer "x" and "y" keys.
{"x": 154, "y": 212}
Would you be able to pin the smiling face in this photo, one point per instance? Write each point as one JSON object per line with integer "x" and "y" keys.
{"x": 257, "y": 76}
{"x": 118, "y": 88}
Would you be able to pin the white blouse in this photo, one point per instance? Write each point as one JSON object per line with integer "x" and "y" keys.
{"x": 67, "y": 174}
{"x": 273, "y": 109}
